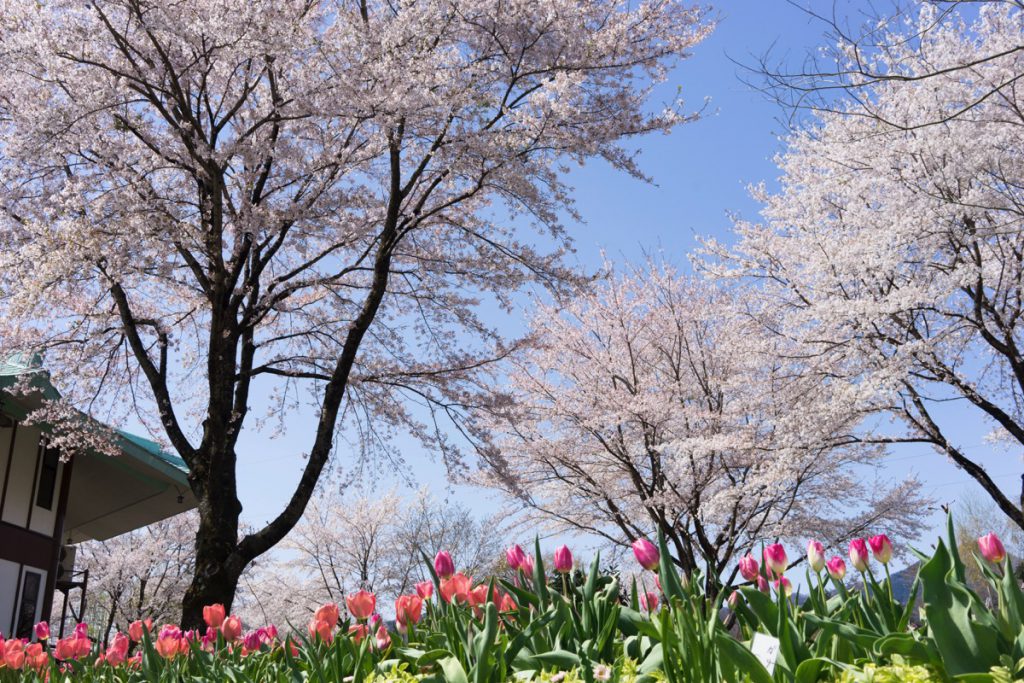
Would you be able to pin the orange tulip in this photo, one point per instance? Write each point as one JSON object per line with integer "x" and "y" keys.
{"x": 214, "y": 615}
{"x": 318, "y": 628}
{"x": 457, "y": 588}
{"x": 408, "y": 610}
{"x": 361, "y": 605}
{"x": 328, "y": 612}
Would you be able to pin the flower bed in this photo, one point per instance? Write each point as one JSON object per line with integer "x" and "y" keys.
{"x": 453, "y": 630}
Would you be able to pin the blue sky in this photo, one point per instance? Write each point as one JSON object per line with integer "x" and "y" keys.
{"x": 701, "y": 172}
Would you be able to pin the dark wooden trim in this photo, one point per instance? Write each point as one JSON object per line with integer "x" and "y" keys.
{"x": 58, "y": 534}
{"x": 24, "y": 546}
{"x": 35, "y": 480}
{"x": 7, "y": 473}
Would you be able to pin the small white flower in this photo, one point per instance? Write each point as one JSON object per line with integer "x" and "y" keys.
{"x": 602, "y": 672}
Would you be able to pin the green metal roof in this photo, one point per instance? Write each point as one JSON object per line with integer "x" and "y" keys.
{"x": 136, "y": 446}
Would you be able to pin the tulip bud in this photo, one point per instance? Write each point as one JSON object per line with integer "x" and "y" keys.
{"x": 646, "y": 554}
{"x": 775, "y": 559}
{"x": 762, "y": 584}
{"x": 881, "y": 547}
{"x": 383, "y": 638}
{"x": 816, "y": 556}
{"x": 361, "y": 605}
{"x": 836, "y": 568}
{"x": 424, "y": 589}
{"x": 42, "y": 630}
{"x": 992, "y": 548}
{"x": 649, "y": 601}
{"x": 214, "y": 615}
{"x": 514, "y": 556}
{"x": 782, "y": 585}
{"x": 563, "y": 560}
{"x": 748, "y": 567}
{"x": 231, "y": 629}
{"x": 375, "y": 621}
{"x": 859, "y": 554}
{"x": 443, "y": 565}
{"x": 734, "y": 599}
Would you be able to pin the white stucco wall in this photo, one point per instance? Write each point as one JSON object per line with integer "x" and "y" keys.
{"x": 9, "y": 572}
{"x": 22, "y": 476}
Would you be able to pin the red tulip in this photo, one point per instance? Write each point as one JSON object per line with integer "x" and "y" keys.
{"x": 361, "y": 605}
{"x": 748, "y": 567}
{"x": 425, "y": 589}
{"x": 881, "y": 547}
{"x": 563, "y": 560}
{"x": 775, "y": 559}
{"x": 443, "y": 565}
{"x": 646, "y": 554}
{"x": 214, "y": 615}
{"x": 992, "y": 548}
{"x": 859, "y": 554}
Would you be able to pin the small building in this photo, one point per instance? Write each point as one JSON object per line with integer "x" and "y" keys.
{"x": 47, "y": 505}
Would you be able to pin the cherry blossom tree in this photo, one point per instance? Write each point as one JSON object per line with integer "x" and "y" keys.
{"x": 139, "y": 575}
{"x": 344, "y": 543}
{"x": 894, "y": 253}
{"x": 207, "y": 203}
{"x": 654, "y": 404}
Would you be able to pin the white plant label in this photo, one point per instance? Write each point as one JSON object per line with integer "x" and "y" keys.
{"x": 766, "y": 649}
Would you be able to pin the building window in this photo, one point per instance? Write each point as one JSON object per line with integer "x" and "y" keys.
{"x": 25, "y": 619}
{"x": 47, "y": 478}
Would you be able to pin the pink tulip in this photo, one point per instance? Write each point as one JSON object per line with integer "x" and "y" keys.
{"x": 383, "y": 639}
{"x": 318, "y": 628}
{"x": 136, "y": 628}
{"x": 816, "y": 556}
{"x": 748, "y": 567}
{"x": 734, "y": 599}
{"x": 649, "y": 601}
{"x": 992, "y": 548}
{"x": 526, "y": 567}
{"x": 443, "y": 565}
{"x": 231, "y": 629}
{"x": 456, "y": 588}
{"x": 424, "y": 589}
{"x": 782, "y": 585}
{"x": 361, "y": 605}
{"x": 836, "y": 568}
{"x": 214, "y": 615}
{"x": 859, "y": 554}
{"x": 775, "y": 559}
{"x": 563, "y": 560}
{"x": 762, "y": 584}
{"x": 357, "y": 632}
{"x": 328, "y": 612}
{"x": 42, "y": 630}
{"x": 646, "y": 554}
{"x": 514, "y": 556}
{"x": 408, "y": 610}
{"x": 118, "y": 651}
{"x": 881, "y": 547}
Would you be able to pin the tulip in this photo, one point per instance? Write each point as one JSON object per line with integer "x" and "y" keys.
{"x": 477, "y": 597}
{"x": 118, "y": 651}
{"x": 649, "y": 601}
{"x": 136, "y": 628}
{"x": 782, "y": 585}
{"x": 328, "y": 612}
{"x": 775, "y": 559}
{"x": 42, "y": 630}
{"x": 375, "y": 621}
{"x": 734, "y": 599}
{"x": 383, "y": 639}
{"x": 318, "y": 628}
{"x": 992, "y": 548}
{"x": 424, "y": 589}
{"x": 361, "y": 605}
{"x": 214, "y": 615}
{"x": 168, "y": 642}
{"x": 507, "y": 604}
{"x": 251, "y": 641}
{"x": 762, "y": 584}
{"x": 443, "y": 565}
{"x": 456, "y": 588}
{"x": 859, "y": 554}
{"x": 646, "y": 554}
{"x": 231, "y": 629}
{"x": 836, "y": 568}
{"x": 816, "y": 556}
{"x": 527, "y": 565}
{"x": 514, "y": 555}
{"x": 881, "y": 547}
{"x": 357, "y": 632}
{"x": 14, "y": 654}
{"x": 748, "y": 567}
{"x": 563, "y": 560}
{"x": 36, "y": 658}
{"x": 408, "y": 610}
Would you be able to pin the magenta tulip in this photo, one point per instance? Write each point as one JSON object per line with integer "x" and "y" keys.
{"x": 775, "y": 559}
{"x": 836, "y": 568}
{"x": 749, "y": 567}
{"x": 859, "y": 554}
{"x": 992, "y": 548}
{"x": 646, "y": 554}
{"x": 881, "y": 547}
{"x": 443, "y": 565}
{"x": 514, "y": 556}
{"x": 563, "y": 560}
